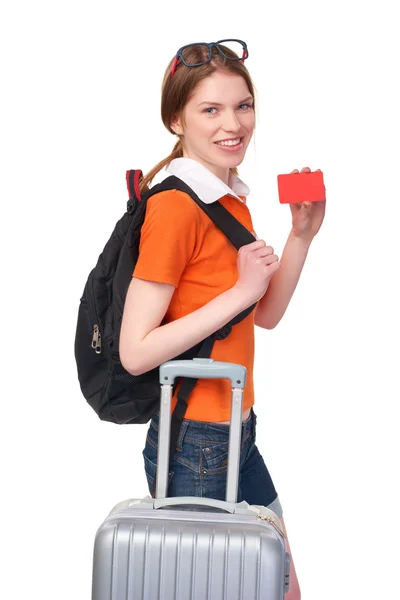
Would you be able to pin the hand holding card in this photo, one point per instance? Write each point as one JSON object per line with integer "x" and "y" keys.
{"x": 305, "y": 194}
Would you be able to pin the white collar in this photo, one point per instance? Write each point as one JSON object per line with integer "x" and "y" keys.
{"x": 204, "y": 183}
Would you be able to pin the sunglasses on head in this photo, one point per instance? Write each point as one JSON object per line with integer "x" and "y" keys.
{"x": 183, "y": 54}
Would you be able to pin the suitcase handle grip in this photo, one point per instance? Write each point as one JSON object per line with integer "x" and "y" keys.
{"x": 203, "y": 368}
{"x": 193, "y": 501}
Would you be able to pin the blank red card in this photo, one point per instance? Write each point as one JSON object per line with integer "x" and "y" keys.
{"x": 301, "y": 187}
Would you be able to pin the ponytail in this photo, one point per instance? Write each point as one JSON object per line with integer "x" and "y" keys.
{"x": 177, "y": 152}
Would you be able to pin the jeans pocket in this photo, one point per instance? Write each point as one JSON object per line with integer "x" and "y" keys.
{"x": 215, "y": 456}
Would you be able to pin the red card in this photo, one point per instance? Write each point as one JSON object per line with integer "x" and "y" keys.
{"x": 301, "y": 187}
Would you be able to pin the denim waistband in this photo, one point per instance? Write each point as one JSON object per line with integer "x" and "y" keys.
{"x": 210, "y": 429}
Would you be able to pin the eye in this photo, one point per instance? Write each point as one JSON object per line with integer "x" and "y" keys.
{"x": 246, "y": 105}
{"x": 208, "y": 110}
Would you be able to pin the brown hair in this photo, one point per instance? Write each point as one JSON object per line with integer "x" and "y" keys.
{"x": 177, "y": 90}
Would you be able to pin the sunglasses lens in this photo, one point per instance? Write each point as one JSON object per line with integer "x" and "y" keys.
{"x": 231, "y": 48}
{"x": 196, "y": 54}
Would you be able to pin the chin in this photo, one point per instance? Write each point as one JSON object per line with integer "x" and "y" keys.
{"x": 237, "y": 162}
{"x": 232, "y": 164}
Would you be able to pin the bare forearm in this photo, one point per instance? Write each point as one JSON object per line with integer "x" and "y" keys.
{"x": 275, "y": 301}
{"x": 174, "y": 338}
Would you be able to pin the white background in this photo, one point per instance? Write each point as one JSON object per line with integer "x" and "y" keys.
{"x": 80, "y": 105}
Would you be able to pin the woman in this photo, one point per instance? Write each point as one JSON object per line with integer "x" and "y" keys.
{"x": 189, "y": 280}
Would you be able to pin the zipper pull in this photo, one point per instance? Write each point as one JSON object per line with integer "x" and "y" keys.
{"x": 272, "y": 522}
{"x": 95, "y": 335}
{"x": 98, "y": 347}
{"x": 96, "y": 340}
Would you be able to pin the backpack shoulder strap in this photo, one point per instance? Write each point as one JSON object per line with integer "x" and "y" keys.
{"x": 236, "y": 233}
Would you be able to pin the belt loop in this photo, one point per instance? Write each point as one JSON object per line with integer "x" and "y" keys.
{"x": 182, "y": 433}
{"x": 253, "y": 423}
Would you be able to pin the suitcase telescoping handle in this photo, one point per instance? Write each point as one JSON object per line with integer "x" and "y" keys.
{"x": 200, "y": 368}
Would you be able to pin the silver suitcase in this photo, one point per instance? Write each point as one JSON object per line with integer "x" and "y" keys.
{"x": 191, "y": 548}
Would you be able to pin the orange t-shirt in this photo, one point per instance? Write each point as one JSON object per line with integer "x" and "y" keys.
{"x": 181, "y": 246}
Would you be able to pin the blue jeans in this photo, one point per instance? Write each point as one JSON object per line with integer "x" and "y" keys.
{"x": 199, "y": 465}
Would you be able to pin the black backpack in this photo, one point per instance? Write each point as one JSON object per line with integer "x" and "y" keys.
{"x": 113, "y": 393}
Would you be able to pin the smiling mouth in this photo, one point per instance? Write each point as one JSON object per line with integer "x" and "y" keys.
{"x": 230, "y": 143}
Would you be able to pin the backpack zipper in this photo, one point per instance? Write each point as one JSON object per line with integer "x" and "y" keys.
{"x": 96, "y": 340}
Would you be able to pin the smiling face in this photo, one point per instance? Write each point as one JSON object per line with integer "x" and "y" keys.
{"x": 217, "y": 123}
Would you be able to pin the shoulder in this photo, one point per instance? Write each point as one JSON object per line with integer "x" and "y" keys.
{"x": 172, "y": 200}
{"x": 174, "y": 208}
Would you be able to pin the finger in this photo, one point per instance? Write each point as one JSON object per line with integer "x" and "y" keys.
{"x": 306, "y": 170}
{"x": 266, "y": 251}
{"x": 252, "y": 246}
{"x": 295, "y": 171}
{"x": 267, "y": 260}
{"x": 272, "y": 268}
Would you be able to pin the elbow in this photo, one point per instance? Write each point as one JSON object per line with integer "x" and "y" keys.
{"x": 270, "y": 326}
{"x": 266, "y": 320}
{"x": 130, "y": 361}
{"x": 133, "y": 369}
{"x": 266, "y": 324}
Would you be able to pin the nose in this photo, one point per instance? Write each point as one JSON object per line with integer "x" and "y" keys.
{"x": 231, "y": 121}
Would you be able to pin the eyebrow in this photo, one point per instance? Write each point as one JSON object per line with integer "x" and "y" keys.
{"x": 219, "y": 104}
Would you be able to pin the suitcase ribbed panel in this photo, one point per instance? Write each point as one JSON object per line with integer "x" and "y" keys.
{"x": 167, "y": 560}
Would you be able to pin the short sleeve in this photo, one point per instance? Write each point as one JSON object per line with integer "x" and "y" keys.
{"x": 168, "y": 237}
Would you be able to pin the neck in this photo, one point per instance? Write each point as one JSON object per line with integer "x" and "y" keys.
{"x": 221, "y": 172}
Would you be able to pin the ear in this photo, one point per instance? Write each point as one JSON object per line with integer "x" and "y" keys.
{"x": 176, "y": 126}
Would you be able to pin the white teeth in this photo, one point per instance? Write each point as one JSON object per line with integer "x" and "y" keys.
{"x": 229, "y": 142}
